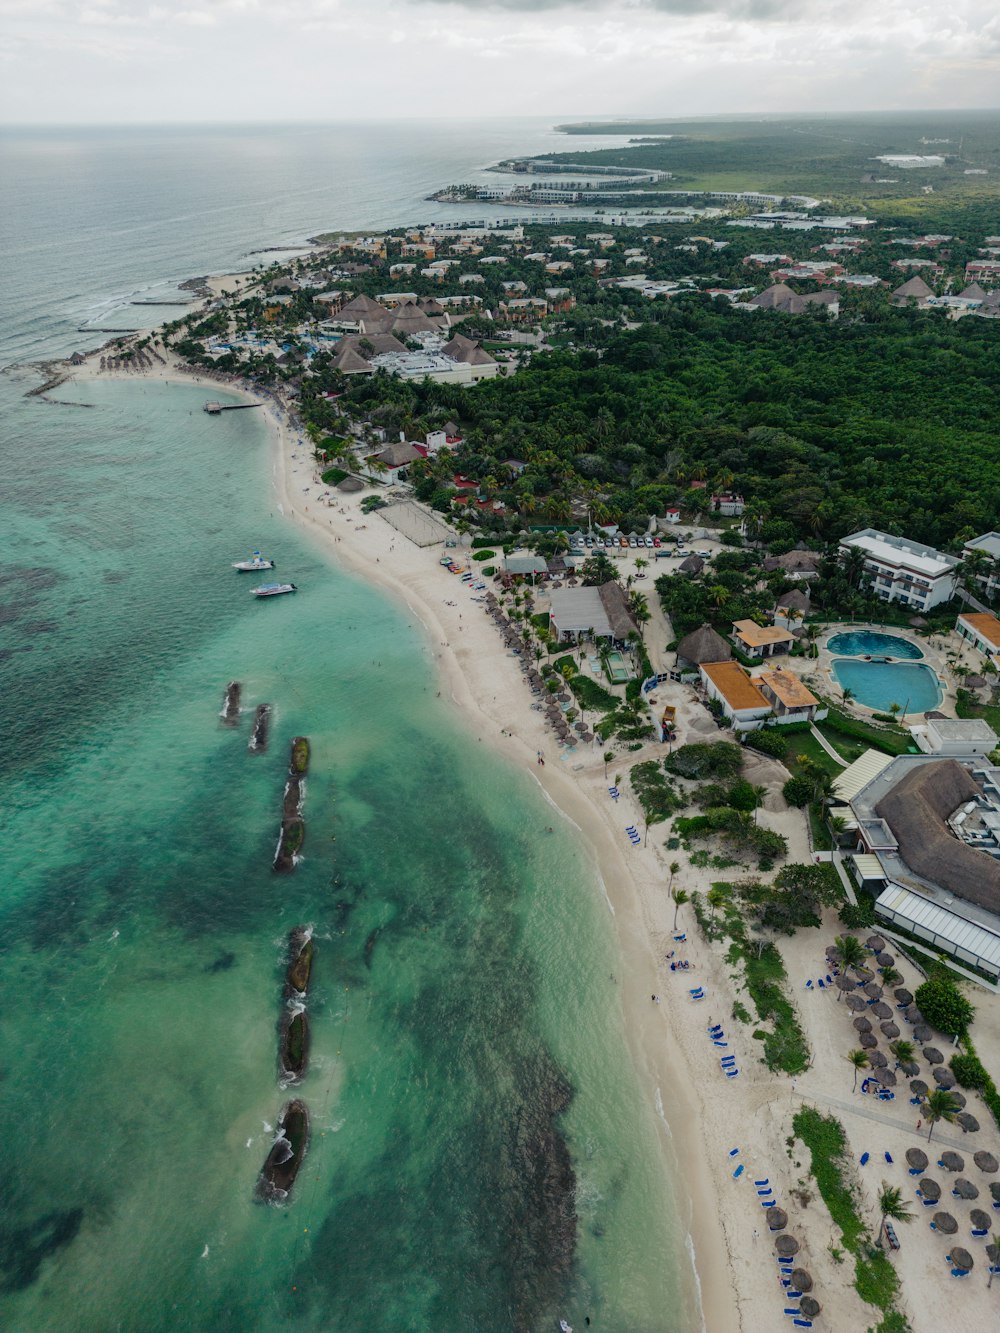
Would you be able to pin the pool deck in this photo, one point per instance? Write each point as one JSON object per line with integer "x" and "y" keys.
{"x": 935, "y": 649}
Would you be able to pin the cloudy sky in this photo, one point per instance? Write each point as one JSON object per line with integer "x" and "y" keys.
{"x": 269, "y": 60}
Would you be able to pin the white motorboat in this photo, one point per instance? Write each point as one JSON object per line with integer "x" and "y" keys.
{"x": 251, "y": 566}
{"x": 274, "y": 589}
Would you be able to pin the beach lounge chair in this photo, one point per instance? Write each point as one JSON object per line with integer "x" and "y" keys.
{"x": 695, "y": 990}
{"x": 765, "y": 1181}
{"x": 720, "y": 1043}
{"x": 792, "y": 1309}
{"x": 680, "y": 939}
{"x": 716, "y": 1030}
{"x": 739, "y": 1171}
{"x": 821, "y": 986}
{"x": 809, "y": 984}
{"x": 727, "y": 1059}
{"x": 734, "y": 1152}
{"x": 982, "y": 1232}
{"x": 915, "y": 1171}
{"x": 803, "y": 1323}
{"x": 731, "y": 1073}
{"x": 888, "y": 1158}
{"x": 865, "y": 1156}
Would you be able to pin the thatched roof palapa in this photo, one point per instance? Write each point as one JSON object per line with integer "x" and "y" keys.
{"x": 703, "y": 645}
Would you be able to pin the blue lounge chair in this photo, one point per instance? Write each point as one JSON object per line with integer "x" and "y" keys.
{"x": 739, "y": 1171}
{"x": 680, "y": 939}
{"x": 720, "y": 1043}
{"x": 980, "y": 1233}
{"x": 792, "y": 1309}
{"x": 734, "y": 1152}
{"x": 960, "y": 1272}
{"x": 888, "y": 1158}
{"x": 803, "y": 1323}
{"x": 765, "y": 1181}
{"x": 829, "y": 979}
{"x": 914, "y": 1171}
{"x": 809, "y": 985}
{"x": 793, "y": 1296}
{"x": 821, "y": 986}
{"x": 731, "y": 1073}
{"x": 865, "y": 1156}
{"x": 694, "y": 990}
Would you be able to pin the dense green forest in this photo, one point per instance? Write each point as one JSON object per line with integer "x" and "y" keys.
{"x": 825, "y": 427}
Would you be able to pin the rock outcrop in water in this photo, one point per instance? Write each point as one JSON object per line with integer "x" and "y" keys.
{"x": 261, "y": 727}
{"x": 300, "y": 960}
{"x": 293, "y": 1047}
{"x": 231, "y": 704}
{"x": 293, "y": 828}
{"x": 291, "y": 1140}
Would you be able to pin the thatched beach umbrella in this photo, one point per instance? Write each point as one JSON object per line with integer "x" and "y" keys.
{"x": 786, "y": 1246}
{"x": 921, "y": 1032}
{"x": 833, "y": 953}
{"x": 868, "y": 1041}
{"x": 886, "y": 1077}
{"x": 944, "y": 1078}
{"x": 909, "y": 1068}
{"x": 587, "y": 736}
{"x": 873, "y": 990}
{"x": 802, "y": 1279}
{"x": 810, "y": 1307}
{"x": 986, "y": 1162}
{"x": 878, "y": 1060}
{"x": 856, "y": 1002}
{"x": 579, "y": 726}
{"x": 930, "y": 1189}
{"x": 864, "y": 973}
{"x": 912, "y": 1014}
{"x": 918, "y": 1087}
{"x": 980, "y": 1220}
{"x": 945, "y": 1223}
{"x": 958, "y": 1098}
{"x": 862, "y": 1024}
{"x": 969, "y": 1123}
{"x": 916, "y": 1158}
{"x": 933, "y": 1056}
{"x": 993, "y": 1252}
{"x": 903, "y": 995}
{"x": 995, "y": 1190}
{"x": 961, "y": 1259}
{"x": 777, "y": 1219}
{"x": 844, "y": 984}
{"x": 918, "y": 622}
{"x": 964, "y": 1189}
{"x": 875, "y": 943}
{"x": 881, "y": 1010}
{"x": 952, "y": 1161}
{"x": 889, "y": 1029}
{"x": 884, "y": 959}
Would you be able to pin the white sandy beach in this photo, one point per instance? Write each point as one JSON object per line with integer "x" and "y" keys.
{"x": 704, "y": 1115}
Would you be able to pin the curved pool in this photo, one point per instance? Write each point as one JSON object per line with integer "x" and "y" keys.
{"x": 879, "y": 685}
{"x": 859, "y": 642}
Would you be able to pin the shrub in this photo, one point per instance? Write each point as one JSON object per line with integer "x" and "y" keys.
{"x": 484, "y": 555}
{"x": 797, "y": 791}
{"x": 741, "y": 795}
{"x": 943, "y": 1005}
{"x": 768, "y": 741}
{"x": 721, "y": 759}
{"x": 333, "y": 476}
{"x": 969, "y": 1070}
{"x": 857, "y": 916}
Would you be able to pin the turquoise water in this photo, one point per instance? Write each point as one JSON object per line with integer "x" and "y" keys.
{"x": 463, "y": 987}
{"x": 855, "y": 643}
{"x": 879, "y": 685}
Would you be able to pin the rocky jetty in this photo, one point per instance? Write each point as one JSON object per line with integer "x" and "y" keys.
{"x": 261, "y": 727}
{"x": 231, "y": 704}
{"x": 300, "y": 960}
{"x": 293, "y": 828}
{"x": 293, "y": 1047}
{"x": 291, "y": 1139}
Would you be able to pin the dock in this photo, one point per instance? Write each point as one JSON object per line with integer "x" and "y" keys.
{"x": 214, "y": 409}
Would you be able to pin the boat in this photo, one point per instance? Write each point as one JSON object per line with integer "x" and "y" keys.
{"x": 291, "y": 1140}
{"x": 274, "y": 589}
{"x": 250, "y": 566}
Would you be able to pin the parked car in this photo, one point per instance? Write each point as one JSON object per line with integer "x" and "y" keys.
{"x": 632, "y": 541}
{"x": 623, "y": 541}
{"x": 657, "y": 542}
{"x": 705, "y": 555}
{"x": 647, "y": 541}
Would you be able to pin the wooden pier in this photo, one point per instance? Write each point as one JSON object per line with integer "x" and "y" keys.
{"x": 213, "y": 409}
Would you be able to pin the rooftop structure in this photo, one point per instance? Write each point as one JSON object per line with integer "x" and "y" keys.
{"x": 703, "y": 645}
{"x": 981, "y": 630}
{"x": 603, "y": 611}
{"x": 761, "y": 640}
{"x": 905, "y": 571}
{"x": 787, "y": 693}
{"x": 743, "y": 703}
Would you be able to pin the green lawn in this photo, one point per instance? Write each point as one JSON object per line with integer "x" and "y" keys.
{"x": 801, "y": 743}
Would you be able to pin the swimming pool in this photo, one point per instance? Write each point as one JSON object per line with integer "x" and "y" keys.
{"x": 879, "y": 685}
{"x": 618, "y": 670}
{"x": 858, "y": 642}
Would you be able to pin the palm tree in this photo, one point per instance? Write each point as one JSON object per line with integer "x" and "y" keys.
{"x": 891, "y": 1204}
{"x": 848, "y": 695}
{"x": 852, "y": 953}
{"x": 608, "y": 756}
{"x": 890, "y": 977}
{"x": 674, "y": 867}
{"x": 758, "y": 795}
{"x": 859, "y": 1059}
{"x": 939, "y": 1105}
{"x": 903, "y": 1050}
{"x": 716, "y": 896}
{"x": 995, "y": 1265}
{"x": 680, "y": 897}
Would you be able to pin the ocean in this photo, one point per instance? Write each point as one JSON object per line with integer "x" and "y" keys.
{"x": 483, "y": 1156}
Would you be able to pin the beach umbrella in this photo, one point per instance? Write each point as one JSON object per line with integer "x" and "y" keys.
{"x": 801, "y": 1279}
{"x": 909, "y": 1068}
{"x": 889, "y": 1029}
{"x": 872, "y": 989}
{"x": 903, "y": 995}
{"x": 933, "y": 1056}
{"x": 912, "y": 1014}
{"x": 992, "y": 1252}
{"x": 952, "y": 1161}
{"x": 995, "y": 1190}
{"x": 867, "y": 1041}
{"x": 843, "y": 984}
{"x": 881, "y": 1010}
{"x": 810, "y": 1307}
{"x": 864, "y": 974}
{"x": 918, "y": 1087}
{"x": 930, "y": 1189}
{"x": 875, "y": 943}
{"x": 777, "y": 1219}
{"x": 886, "y": 1077}
{"x": 833, "y": 953}
{"x": 957, "y": 1097}
{"x": 944, "y": 1078}
{"x": 579, "y": 726}
{"x": 587, "y": 736}
{"x": 563, "y": 697}
{"x": 980, "y": 1220}
{"x": 862, "y": 1024}
{"x": 961, "y": 1258}
{"x": 884, "y": 959}
{"x": 964, "y": 1189}
{"x": 877, "y": 1060}
{"x": 945, "y": 1223}
{"x": 916, "y": 1158}
{"x": 921, "y": 1032}
{"x": 856, "y": 1002}
{"x": 969, "y": 1123}
{"x": 986, "y": 1162}
{"x": 786, "y": 1245}
{"x": 918, "y": 622}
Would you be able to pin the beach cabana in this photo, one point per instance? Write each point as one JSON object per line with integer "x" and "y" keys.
{"x": 986, "y": 1162}
{"x": 802, "y": 1279}
{"x": 952, "y": 1161}
{"x": 777, "y": 1219}
{"x": 969, "y": 1123}
{"x": 916, "y": 1160}
{"x": 930, "y": 1189}
{"x": 945, "y": 1223}
{"x": 961, "y": 1259}
{"x": 964, "y": 1189}
{"x": 786, "y": 1246}
{"x": 933, "y": 1056}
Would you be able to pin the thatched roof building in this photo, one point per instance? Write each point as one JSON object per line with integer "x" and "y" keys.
{"x": 703, "y": 645}
{"x": 692, "y": 565}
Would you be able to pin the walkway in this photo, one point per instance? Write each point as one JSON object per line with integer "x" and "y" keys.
{"x": 827, "y": 746}
{"x": 938, "y": 1141}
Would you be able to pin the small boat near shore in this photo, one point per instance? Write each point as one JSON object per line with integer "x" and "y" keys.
{"x": 274, "y": 589}
{"x": 291, "y": 1139}
{"x": 231, "y": 704}
{"x": 256, "y": 562}
{"x": 261, "y": 726}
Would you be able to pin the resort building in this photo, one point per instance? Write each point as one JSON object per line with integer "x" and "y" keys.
{"x": 928, "y": 842}
{"x": 700, "y": 646}
{"x": 956, "y": 738}
{"x": 905, "y": 571}
{"x": 761, "y": 640}
{"x": 988, "y": 577}
{"x": 744, "y": 705}
{"x": 791, "y": 609}
{"x": 601, "y": 612}
{"x": 798, "y": 566}
{"x": 983, "y": 631}
{"x": 790, "y": 699}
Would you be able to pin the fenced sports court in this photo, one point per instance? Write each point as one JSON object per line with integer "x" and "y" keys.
{"x": 414, "y": 522}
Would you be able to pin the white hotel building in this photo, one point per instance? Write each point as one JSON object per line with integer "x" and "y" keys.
{"x": 905, "y": 571}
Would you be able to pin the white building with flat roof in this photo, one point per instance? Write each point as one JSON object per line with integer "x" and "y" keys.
{"x": 905, "y": 571}
{"x": 987, "y": 545}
